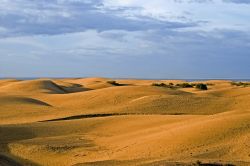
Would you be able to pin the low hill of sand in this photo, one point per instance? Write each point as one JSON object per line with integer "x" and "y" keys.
{"x": 32, "y": 86}
{"x": 91, "y": 121}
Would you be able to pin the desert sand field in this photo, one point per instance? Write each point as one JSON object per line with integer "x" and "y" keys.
{"x": 94, "y": 121}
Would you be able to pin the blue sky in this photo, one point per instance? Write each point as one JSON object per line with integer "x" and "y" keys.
{"x": 125, "y": 38}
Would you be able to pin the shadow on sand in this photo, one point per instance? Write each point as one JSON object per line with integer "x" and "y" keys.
{"x": 11, "y": 134}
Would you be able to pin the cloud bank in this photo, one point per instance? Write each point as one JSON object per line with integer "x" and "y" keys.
{"x": 133, "y": 38}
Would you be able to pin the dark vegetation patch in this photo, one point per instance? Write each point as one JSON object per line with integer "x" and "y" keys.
{"x": 185, "y": 85}
{"x": 170, "y": 85}
{"x": 199, "y": 86}
{"x": 244, "y": 84}
{"x": 114, "y": 83}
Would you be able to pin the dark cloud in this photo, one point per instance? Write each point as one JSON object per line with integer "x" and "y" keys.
{"x": 48, "y": 17}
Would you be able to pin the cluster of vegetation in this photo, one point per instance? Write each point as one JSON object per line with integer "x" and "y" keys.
{"x": 200, "y": 86}
{"x": 113, "y": 83}
{"x": 245, "y": 84}
{"x": 170, "y": 85}
{"x": 185, "y": 85}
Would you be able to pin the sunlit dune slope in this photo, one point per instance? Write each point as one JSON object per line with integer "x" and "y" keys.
{"x": 18, "y": 109}
{"x": 4, "y": 82}
{"x": 91, "y": 83}
{"x": 141, "y": 99}
{"x": 222, "y": 137}
{"x": 32, "y": 86}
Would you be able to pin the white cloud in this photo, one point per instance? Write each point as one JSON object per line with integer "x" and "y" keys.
{"x": 217, "y": 13}
{"x": 51, "y": 17}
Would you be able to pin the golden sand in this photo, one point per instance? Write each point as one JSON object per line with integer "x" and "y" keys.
{"x": 92, "y": 122}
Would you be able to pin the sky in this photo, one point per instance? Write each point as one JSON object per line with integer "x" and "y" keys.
{"x": 171, "y": 39}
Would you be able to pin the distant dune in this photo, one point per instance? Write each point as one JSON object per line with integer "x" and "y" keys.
{"x": 31, "y": 86}
{"x": 100, "y": 121}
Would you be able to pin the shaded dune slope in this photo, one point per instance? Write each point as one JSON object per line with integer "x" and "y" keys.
{"x": 12, "y": 100}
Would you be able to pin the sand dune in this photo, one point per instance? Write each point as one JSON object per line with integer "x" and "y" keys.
{"x": 10, "y": 100}
{"x": 141, "y": 99}
{"x": 33, "y": 86}
{"x": 91, "y": 122}
{"x": 91, "y": 83}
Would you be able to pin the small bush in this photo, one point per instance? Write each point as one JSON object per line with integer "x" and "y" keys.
{"x": 201, "y": 86}
{"x": 236, "y": 83}
{"x": 185, "y": 85}
{"x": 245, "y": 84}
{"x": 159, "y": 84}
{"x": 113, "y": 83}
{"x": 163, "y": 85}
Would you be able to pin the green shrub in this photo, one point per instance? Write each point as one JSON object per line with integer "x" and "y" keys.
{"x": 163, "y": 85}
{"x": 159, "y": 84}
{"x": 201, "y": 86}
{"x": 171, "y": 84}
{"x": 184, "y": 85}
{"x": 245, "y": 84}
